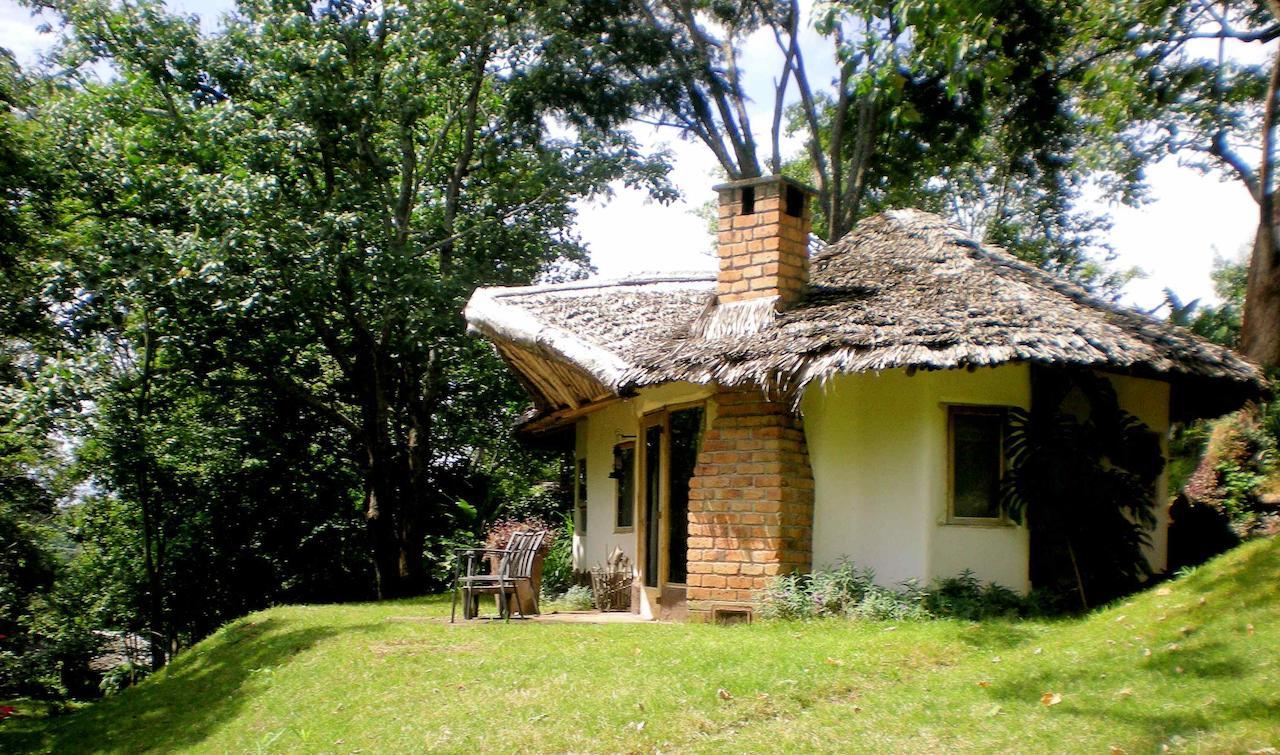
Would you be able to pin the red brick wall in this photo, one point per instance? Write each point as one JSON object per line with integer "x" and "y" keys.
{"x": 751, "y": 503}
{"x": 764, "y": 253}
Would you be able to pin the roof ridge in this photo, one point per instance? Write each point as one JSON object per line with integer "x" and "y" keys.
{"x": 638, "y": 279}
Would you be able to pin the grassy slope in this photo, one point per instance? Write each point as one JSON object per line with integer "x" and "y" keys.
{"x": 396, "y": 677}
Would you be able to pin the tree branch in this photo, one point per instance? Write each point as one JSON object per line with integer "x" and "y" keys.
{"x": 1220, "y": 149}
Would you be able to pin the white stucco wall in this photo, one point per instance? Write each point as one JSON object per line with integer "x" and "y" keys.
{"x": 597, "y": 434}
{"x": 878, "y": 447}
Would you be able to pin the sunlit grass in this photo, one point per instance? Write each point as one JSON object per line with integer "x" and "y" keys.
{"x": 1191, "y": 666}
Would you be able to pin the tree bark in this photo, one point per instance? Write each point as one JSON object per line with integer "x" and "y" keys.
{"x": 152, "y": 545}
{"x": 1260, "y": 330}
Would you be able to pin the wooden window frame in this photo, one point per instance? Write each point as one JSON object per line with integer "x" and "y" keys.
{"x": 998, "y": 410}
{"x": 617, "y": 488}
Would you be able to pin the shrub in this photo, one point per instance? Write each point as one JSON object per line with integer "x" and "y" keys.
{"x": 576, "y": 598}
{"x": 964, "y": 597}
{"x": 557, "y": 569}
{"x": 788, "y": 597}
{"x": 499, "y": 533}
{"x": 847, "y": 591}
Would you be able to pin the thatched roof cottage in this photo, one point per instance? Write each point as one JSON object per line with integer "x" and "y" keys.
{"x": 795, "y": 408}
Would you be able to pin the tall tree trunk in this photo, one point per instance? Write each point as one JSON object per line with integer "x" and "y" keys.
{"x": 387, "y": 511}
{"x": 1260, "y": 330}
{"x": 395, "y": 490}
{"x": 152, "y": 558}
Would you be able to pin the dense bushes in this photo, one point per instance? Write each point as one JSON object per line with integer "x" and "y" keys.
{"x": 557, "y": 569}
{"x": 847, "y": 591}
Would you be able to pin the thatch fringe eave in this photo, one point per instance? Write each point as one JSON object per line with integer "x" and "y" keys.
{"x": 903, "y": 290}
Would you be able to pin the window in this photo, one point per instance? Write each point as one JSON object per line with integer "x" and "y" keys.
{"x": 580, "y": 495}
{"x": 624, "y": 472}
{"x": 977, "y": 463}
{"x": 748, "y": 200}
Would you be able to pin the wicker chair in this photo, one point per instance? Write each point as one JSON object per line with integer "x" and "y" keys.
{"x": 510, "y": 569}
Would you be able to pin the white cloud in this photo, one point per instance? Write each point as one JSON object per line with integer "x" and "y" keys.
{"x": 1175, "y": 238}
{"x": 18, "y": 33}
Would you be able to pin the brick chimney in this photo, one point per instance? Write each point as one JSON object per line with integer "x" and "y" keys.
{"x": 764, "y": 240}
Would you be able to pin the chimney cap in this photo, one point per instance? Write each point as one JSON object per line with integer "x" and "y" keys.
{"x": 742, "y": 183}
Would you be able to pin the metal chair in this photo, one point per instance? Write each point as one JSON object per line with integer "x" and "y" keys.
{"x": 510, "y": 568}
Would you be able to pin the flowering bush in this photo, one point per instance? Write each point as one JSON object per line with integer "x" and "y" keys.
{"x": 500, "y": 532}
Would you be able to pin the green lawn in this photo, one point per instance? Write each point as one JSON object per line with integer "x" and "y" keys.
{"x": 1194, "y": 666}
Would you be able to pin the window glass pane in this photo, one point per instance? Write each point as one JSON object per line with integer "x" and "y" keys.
{"x": 976, "y": 464}
{"x": 624, "y": 470}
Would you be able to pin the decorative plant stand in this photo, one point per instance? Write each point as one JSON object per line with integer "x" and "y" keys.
{"x": 611, "y": 583}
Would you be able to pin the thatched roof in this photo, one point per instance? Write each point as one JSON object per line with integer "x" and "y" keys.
{"x": 903, "y": 290}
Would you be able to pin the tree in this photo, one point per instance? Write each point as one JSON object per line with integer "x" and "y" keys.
{"x": 960, "y": 108}
{"x": 1171, "y": 78}
{"x": 299, "y": 206}
{"x": 31, "y": 470}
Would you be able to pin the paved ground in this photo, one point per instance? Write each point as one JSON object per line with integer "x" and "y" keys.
{"x": 591, "y": 617}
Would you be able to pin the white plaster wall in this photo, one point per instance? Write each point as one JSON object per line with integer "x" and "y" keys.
{"x": 878, "y": 447}
{"x": 597, "y": 434}
{"x": 1148, "y": 400}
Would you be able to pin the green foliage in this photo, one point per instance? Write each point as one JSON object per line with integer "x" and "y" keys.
{"x": 969, "y": 109}
{"x": 1082, "y": 475}
{"x": 232, "y": 274}
{"x": 966, "y": 597}
{"x": 557, "y": 569}
{"x": 36, "y": 652}
{"x": 1219, "y": 323}
{"x": 1245, "y": 458}
{"x": 1187, "y": 443}
{"x": 572, "y": 598}
{"x": 846, "y": 591}
{"x": 121, "y": 677}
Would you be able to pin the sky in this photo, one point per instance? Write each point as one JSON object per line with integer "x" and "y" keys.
{"x": 1173, "y": 239}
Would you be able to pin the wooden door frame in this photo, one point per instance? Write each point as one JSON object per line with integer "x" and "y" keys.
{"x": 659, "y": 418}
{"x": 652, "y": 419}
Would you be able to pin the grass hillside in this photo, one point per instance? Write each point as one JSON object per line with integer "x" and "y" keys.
{"x": 1191, "y": 666}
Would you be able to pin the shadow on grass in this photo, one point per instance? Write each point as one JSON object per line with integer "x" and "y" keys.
{"x": 182, "y": 705}
{"x": 1209, "y": 661}
{"x": 1160, "y": 727}
{"x": 996, "y": 635}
